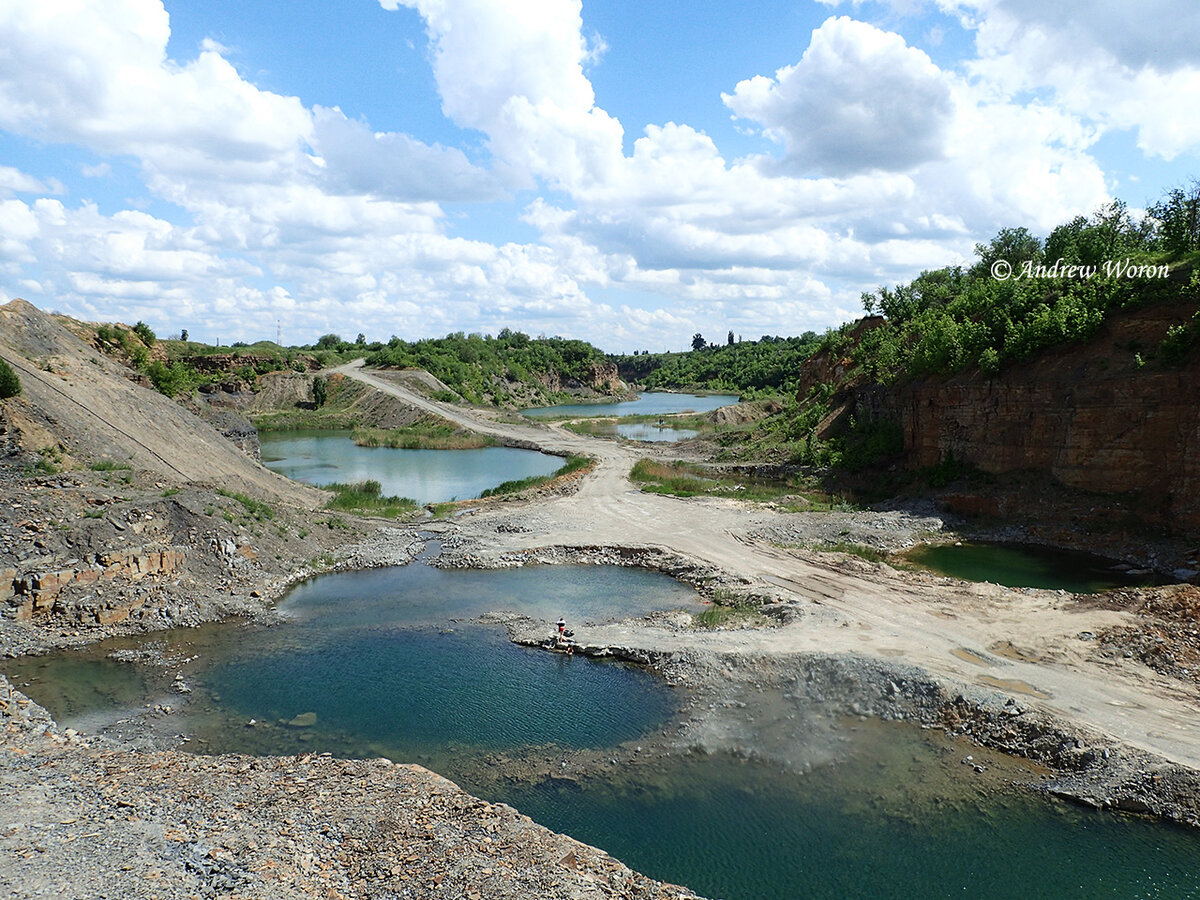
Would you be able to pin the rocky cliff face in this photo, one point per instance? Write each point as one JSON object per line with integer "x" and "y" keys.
{"x": 602, "y": 378}
{"x": 1092, "y": 417}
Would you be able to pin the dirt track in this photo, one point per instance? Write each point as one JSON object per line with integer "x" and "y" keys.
{"x": 1025, "y": 643}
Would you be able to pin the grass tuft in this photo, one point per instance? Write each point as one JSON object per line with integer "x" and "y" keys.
{"x": 256, "y": 509}
{"x": 366, "y": 497}
{"x": 107, "y": 465}
{"x": 573, "y": 464}
{"x": 727, "y": 609}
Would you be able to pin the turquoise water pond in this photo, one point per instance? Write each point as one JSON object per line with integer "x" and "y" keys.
{"x": 651, "y": 403}
{"x": 1026, "y": 565}
{"x": 427, "y": 476}
{"x": 389, "y": 662}
{"x": 647, "y": 431}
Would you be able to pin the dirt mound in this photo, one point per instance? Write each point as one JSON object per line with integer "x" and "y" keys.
{"x": 741, "y": 413}
{"x": 418, "y": 380}
{"x": 1166, "y": 635}
{"x": 76, "y": 399}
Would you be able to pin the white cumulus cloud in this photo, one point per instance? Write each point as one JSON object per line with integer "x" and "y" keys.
{"x": 859, "y": 99}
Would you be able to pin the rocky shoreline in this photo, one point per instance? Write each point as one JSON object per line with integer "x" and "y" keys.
{"x": 86, "y": 818}
{"x": 1088, "y": 767}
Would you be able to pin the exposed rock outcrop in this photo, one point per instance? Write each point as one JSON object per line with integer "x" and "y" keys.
{"x": 1091, "y": 417}
{"x": 213, "y": 363}
{"x": 601, "y": 377}
{"x": 31, "y": 593}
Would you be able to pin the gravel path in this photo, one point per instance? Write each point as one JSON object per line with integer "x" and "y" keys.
{"x": 1034, "y": 645}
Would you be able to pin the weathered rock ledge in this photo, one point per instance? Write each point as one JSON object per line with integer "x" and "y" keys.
{"x": 84, "y": 818}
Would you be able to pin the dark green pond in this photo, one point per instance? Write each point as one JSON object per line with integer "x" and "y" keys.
{"x": 1026, "y": 565}
{"x": 384, "y": 663}
{"x": 427, "y": 476}
{"x": 864, "y": 827}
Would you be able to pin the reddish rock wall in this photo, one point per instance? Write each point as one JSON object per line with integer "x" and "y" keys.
{"x": 1089, "y": 416}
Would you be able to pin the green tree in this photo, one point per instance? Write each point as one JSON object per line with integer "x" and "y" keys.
{"x": 1016, "y": 246}
{"x": 320, "y": 391}
{"x": 1075, "y": 243}
{"x": 142, "y": 330}
{"x": 10, "y": 383}
{"x": 1177, "y": 220}
{"x": 698, "y": 342}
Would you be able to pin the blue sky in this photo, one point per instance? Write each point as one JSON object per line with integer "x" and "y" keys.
{"x": 624, "y": 173}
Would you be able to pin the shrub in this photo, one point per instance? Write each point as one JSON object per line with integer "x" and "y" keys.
{"x": 366, "y": 497}
{"x": 172, "y": 379}
{"x": 142, "y": 330}
{"x": 1177, "y": 345}
{"x": 10, "y": 383}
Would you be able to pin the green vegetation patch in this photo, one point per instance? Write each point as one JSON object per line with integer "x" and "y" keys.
{"x": 256, "y": 509}
{"x": 50, "y": 461}
{"x": 768, "y": 367}
{"x": 442, "y": 510}
{"x": 428, "y": 433}
{"x": 682, "y": 479}
{"x": 496, "y": 370}
{"x": 573, "y": 464}
{"x": 1025, "y": 295}
{"x": 1182, "y": 340}
{"x": 108, "y": 465}
{"x": 366, "y": 497}
{"x": 10, "y": 382}
{"x": 676, "y": 478}
{"x": 728, "y": 610}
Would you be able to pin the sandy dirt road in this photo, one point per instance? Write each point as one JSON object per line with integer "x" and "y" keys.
{"x": 1024, "y": 643}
